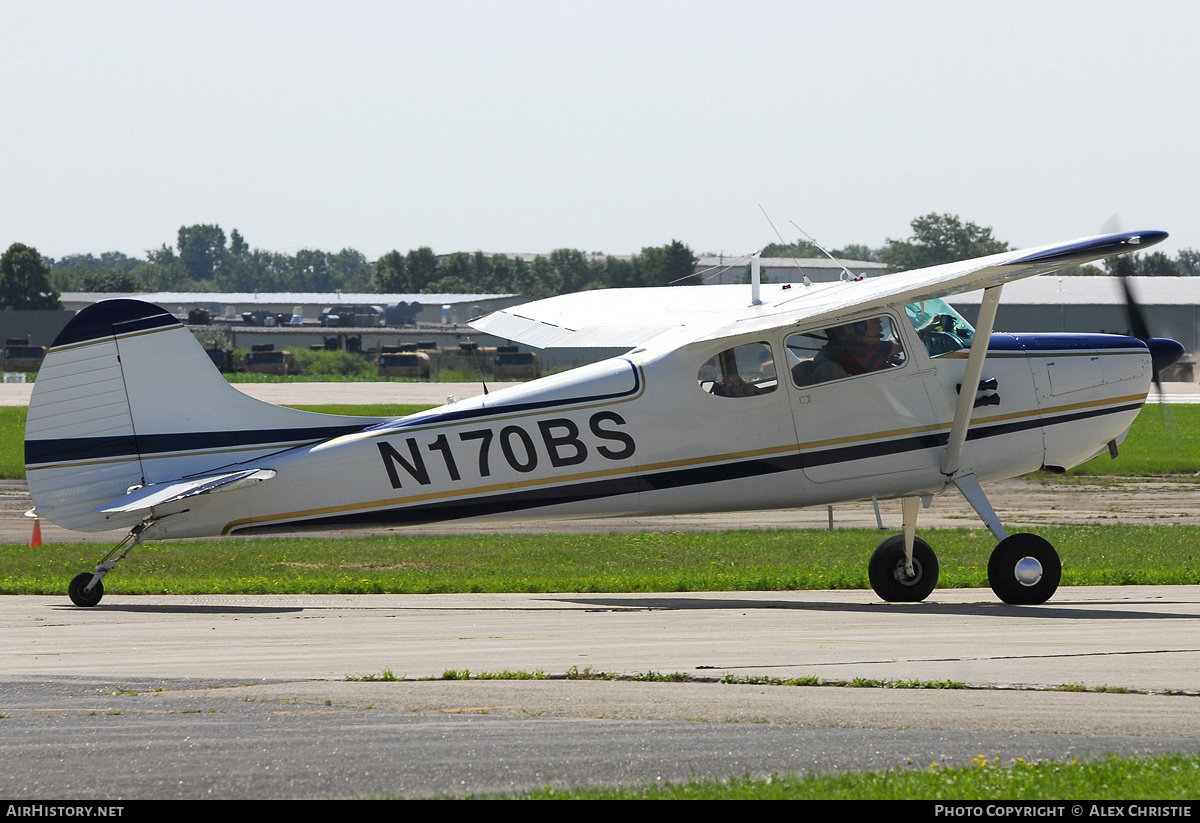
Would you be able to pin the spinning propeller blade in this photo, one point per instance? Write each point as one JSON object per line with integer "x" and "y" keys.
{"x": 1164, "y": 353}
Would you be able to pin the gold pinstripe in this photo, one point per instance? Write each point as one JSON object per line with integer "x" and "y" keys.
{"x": 670, "y": 464}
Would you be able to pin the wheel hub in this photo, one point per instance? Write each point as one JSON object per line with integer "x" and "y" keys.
{"x": 1028, "y": 571}
{"x": 906, "y": 579}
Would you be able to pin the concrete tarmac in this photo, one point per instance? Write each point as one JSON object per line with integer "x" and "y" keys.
{"x": 323, "y": 696}
{"x": 293, "y": 696}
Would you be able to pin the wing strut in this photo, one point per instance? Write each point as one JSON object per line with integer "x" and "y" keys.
{"x": 966, "y": 398}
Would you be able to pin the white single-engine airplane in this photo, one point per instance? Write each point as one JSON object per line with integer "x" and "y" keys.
{"x": 731, "y": 398}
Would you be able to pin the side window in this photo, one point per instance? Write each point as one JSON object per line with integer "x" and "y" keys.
{"x": 743, "y": 371}
{"x": 856, "y": 348}
{"x": 940, "y": 327}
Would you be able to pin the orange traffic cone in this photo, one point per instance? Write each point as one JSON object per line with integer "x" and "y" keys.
{"x": 36, "y": 539}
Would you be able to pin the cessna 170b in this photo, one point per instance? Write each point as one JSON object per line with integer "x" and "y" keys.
{"x": 730, "y": 398}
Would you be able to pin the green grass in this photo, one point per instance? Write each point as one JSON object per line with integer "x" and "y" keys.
{"x": 1162, "y": 441}
{"x": 12, "y": 441}
{"x": 494, "y": 562}
{"x": 1164, "y": 778}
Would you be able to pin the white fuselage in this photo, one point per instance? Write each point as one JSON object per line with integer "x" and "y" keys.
{"x": 640, "y": 434}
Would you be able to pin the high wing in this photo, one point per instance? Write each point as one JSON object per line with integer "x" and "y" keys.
{"x": 639, "y": 317}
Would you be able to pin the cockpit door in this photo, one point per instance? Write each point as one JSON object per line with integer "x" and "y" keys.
{"x": 861, "y": 402}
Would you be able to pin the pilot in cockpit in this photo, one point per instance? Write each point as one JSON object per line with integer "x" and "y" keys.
{"x": 856, "y": 348}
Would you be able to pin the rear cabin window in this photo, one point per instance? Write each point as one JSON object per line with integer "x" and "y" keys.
{"x": 852, "y": 349}
{"x": 743, "y": 371}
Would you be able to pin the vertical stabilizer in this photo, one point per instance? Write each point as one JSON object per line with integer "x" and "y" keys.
{"x": 126, "y": 397}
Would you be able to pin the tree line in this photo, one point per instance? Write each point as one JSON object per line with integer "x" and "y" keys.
{"x": 204, "y": 259}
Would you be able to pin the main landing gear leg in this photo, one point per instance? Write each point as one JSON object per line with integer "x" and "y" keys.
{"x": 904, "y": 568}
{"x": 86, "y": 588}
{"x": 1024, "y": 569}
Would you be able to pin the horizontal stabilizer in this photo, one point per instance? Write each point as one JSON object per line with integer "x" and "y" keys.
{"x": 147, "y": 497}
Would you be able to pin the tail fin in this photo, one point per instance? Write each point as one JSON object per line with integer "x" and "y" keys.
{"x": 127, "y": 398}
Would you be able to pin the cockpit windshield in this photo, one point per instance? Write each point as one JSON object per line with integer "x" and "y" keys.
{"x": 940, "y": 327}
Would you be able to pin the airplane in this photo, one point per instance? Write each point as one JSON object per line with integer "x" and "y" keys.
{"x": 729, "y": 398}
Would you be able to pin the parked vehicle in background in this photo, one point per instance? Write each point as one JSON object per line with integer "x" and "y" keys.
{"x": 265, "y": 360}
{"x": 354, "y": 317}
{"x": 513, "y": 364}
{"x": 20, "y": 356}
{"x": 403, "y": 361}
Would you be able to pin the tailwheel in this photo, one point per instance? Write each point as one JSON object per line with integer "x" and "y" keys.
{"x": 82, "y": 591}
{"x": 1024, "y": 570}
{"x": 890, "y": 578}
{"x": 79, "y": 592}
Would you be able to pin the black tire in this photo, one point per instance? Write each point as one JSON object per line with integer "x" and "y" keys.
{"x": 886, "y": 571}
{"x": 1003, "y": 570}
{"x": 83, "y": 598}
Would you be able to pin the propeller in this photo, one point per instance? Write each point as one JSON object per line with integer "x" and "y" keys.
{"x": 1164, "y": 352}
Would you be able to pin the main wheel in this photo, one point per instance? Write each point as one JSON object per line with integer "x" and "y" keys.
{"x": 85, "y": 598}
{"x": 1024, "y": 570}
{"x": 886, "y": 571}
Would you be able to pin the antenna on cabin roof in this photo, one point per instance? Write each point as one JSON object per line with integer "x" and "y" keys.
{"x": 845, "y": 271}
{"x": 478, "y": 366}
{"x": 755, "y": 279}
{"x": 807, "y": 282}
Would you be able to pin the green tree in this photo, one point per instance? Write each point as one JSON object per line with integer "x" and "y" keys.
{"x": 202, "y": 250}
{"x": 801, "y": 248}
{"x": 109, "y": 280}
{"x": 454, "y": 275}
{"x": 164, "y": 271}
{"x": 1157, "y": 264}
{"x": 939, "y": 238}
{"x": 391, "y": 274}
{"x": 237, "y": 243}
{"x": 672, "y": 264}
{"x": 857, "y": 251}
{"x": 86, "y": 272}
{"x": 351, "y": 269}
{"x": 503, "y": 272}
{"x": 422, "y": 267}
{"x": 538, "y": 279}
{"x": 25, "y": 280}
{"x": 570, "y": 270}
{"x": 1188, "y": 261}
{"x": 615, "y": 273}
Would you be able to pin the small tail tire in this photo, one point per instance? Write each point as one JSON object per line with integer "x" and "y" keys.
{"x": 1024, "y": 570}
{"x": 79, "y": 593}
{"x": 886, "y": 571}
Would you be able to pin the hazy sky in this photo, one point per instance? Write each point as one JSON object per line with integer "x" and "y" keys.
{"x": 604, "y": 126}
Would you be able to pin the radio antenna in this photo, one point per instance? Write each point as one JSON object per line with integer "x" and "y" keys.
{"x": 807, "y": 282}
{"x": 478, "y": 365}
{"x": 845, "y": 271}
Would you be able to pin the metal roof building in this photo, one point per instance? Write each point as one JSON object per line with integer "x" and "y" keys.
{"x": 462, "y": 307}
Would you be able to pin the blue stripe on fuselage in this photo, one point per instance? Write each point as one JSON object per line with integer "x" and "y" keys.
{"x": 1031, "y": 342}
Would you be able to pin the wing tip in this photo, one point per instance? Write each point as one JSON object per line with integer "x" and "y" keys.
{"x": 1094, "y": 248}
